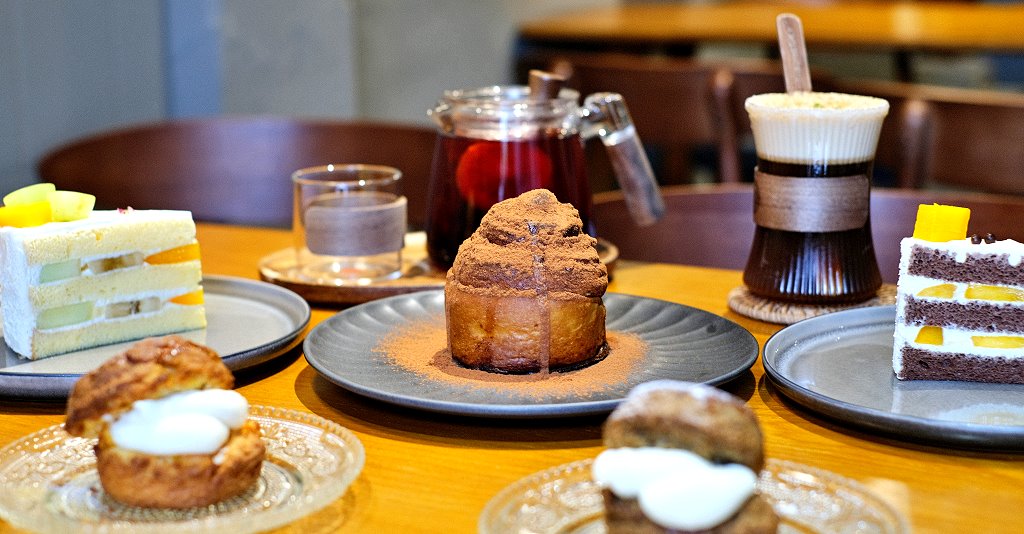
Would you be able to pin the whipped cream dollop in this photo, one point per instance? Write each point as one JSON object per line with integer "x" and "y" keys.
{"x": 676, "y": 488}
{"x": 189, "y": 422}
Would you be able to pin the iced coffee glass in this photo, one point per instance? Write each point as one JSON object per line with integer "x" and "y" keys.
{"x": 815, "y": 153}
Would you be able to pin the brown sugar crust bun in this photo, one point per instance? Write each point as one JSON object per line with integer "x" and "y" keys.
{"x": 181, "y": 481}
{"x": 702, "y": 419}
{"x": 151, "y": 369}
{"x": 524, "y": 293}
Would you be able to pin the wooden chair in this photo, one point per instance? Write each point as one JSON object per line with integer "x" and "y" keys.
{"x": 952, "y": 138}
{"x": 712, "y": 225}
{"x": 233, "y": 169}
{"x": 672, "y": 104}
{"x": 682, "y": 108}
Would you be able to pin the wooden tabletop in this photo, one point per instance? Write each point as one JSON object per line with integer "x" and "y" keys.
{"x": 433, "y": 473}
{"x": 953, "y": 26}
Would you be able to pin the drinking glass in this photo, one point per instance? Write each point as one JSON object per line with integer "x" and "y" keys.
{"x": 349, "y": 224}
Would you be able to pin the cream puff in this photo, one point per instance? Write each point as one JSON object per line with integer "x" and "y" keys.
{"x": 171, "y": 431}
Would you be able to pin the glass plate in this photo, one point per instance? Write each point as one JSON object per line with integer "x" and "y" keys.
{"x": 565, "y": 499}
{"x": 51, "y": 485}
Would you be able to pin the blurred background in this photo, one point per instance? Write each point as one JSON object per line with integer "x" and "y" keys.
{"x": 68, "y": 68}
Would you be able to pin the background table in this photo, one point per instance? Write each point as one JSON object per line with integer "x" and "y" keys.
{"x": 434, "y": 473}
{"x": 674, "y": 28}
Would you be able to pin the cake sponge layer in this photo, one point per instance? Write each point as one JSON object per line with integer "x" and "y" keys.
{"x": 117, "y": 286}
{"x": 919, "y": 364}
{"x": 172, "y": 318}
{"x": 102, "y": 234}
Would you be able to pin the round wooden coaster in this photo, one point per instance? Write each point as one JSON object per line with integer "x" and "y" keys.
{"x": 744, "y": 303}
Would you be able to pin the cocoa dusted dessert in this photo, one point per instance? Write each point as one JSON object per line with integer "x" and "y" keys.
{"x": 524, "y": 293}
{"x": 683, "y": 457}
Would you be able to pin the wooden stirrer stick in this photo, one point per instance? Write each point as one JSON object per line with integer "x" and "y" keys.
{"x": 794, "y": 53}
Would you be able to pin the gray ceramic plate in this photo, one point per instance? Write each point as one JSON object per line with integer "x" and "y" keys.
{"x": 682, "y": 343}
{"x": 248, "y": 322}
{"x": 840, "y": 365}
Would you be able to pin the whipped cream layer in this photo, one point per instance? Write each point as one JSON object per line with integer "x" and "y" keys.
{"x": 189, "y": 422}
{"x": 676, "y": 488}
{"x": 809, "y": 127}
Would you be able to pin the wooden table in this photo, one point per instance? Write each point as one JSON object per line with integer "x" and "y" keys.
{"x": 675, "y": 27}
{"x": 908, "y": 25}
{"x": 434, "y": 473}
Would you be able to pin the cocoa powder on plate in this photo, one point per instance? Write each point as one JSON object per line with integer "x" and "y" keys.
{"x": 421, "y": 348}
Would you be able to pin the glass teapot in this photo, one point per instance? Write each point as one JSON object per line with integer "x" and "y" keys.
{"x": 497, "y": 142}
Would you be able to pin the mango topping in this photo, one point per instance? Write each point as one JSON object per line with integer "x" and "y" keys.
{"x": 941, "y": 223}
{"x": 194, "y": 298}
{"x": 24, "y": 215}
{"x": 942, "y": 291}
{"x": 175, "y": 255}
{"x": 983, "y": 292}
{"x": 929, "y": 335}
{"x": 998, "y": 342}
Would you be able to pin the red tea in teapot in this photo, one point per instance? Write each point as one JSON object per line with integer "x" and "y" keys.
{"x": 471, "y": 175}
{"x": 497, "y": 142}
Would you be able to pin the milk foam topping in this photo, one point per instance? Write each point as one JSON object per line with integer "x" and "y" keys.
{"x": 814, "y": 128}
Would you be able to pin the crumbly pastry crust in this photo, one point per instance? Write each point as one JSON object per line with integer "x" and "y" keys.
{"x": 712, "y": 424}
{"x": 151, "y": 369}
{"x": 524, "y": 293}
{"x": 706, "y": 421}
{"x": 181, "y": 481}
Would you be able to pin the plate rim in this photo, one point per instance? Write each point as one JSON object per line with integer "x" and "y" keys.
{"x": 514, "y": 411}
{"x": 917, "y": 428}
{"x": 353, "y": 447}
{"x": 902, "y": 526}
{"x": 57, "y": 386}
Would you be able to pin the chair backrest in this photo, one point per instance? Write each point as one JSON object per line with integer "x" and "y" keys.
{"x": 233, "y": 169}
{"x": 712, "y": 225}
{"x": 671, "y": 102}
{"x": 685, "y": 109}
{"x": 953, "y": 137}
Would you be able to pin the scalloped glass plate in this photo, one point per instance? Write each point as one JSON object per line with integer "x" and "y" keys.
{"x": 51, "y": 485}
{"x": 565, "y": 499}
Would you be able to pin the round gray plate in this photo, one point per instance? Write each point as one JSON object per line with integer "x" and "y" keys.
{"x": 840, "y": 365}
{"x": 248, "y": 322}
{"x": 682, "y": 343}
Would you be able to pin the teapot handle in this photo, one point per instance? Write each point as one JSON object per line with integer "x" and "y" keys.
{"x": 605, "y": 115}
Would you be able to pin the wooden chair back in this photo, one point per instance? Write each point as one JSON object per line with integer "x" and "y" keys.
{"x": 233, "y": 169}
{"x": 712, "y": 225}
{"x": 672, "y": 104}
{"x": 953, "y": 138}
